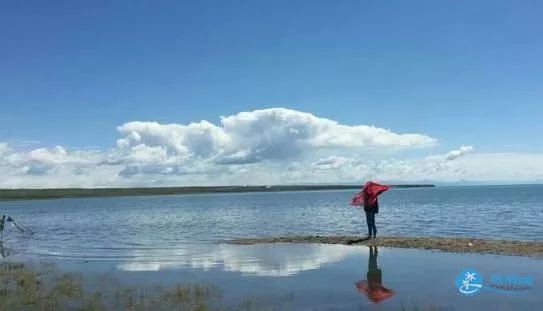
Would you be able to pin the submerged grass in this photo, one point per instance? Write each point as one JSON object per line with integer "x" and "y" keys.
{"x": 44, "y": 288}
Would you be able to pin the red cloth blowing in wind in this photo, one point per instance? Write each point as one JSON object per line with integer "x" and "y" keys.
{"x": 370, "y": 192}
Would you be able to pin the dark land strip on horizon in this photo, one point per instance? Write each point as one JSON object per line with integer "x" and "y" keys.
{"x": 60, "y": 193}
{"x": 450, "y": 245}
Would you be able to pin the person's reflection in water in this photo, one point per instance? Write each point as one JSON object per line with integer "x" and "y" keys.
{"x": 2, "y": 249}
{"x": 372, "y": 287}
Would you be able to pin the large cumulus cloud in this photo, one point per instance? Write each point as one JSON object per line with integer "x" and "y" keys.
{"x": 266, "y": 146}
{"x": 261, "y": 135}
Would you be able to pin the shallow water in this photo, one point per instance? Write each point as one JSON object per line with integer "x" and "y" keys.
{"x": 323, "y": 277}
{"x": 174, "y": 239}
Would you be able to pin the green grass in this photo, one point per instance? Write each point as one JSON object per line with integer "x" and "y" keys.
{"x": 40, "y": 194}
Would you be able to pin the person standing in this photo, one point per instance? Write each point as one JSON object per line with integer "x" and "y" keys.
{"x": 371, "y": 208}
{"x": 368, "y": 199}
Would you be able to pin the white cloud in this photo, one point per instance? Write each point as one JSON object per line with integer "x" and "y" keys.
{"x": 267, "y": 146}
{"x": 455, "y": 154}
{"x": 260, "y": 135}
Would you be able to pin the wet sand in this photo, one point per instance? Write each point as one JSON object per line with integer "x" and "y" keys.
{"x": 453, "y": 245}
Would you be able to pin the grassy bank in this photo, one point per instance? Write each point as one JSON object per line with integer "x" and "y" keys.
{"x": 42, "y": 287}
{"x": 39, "y": 194}
{"x": 453, "y": 245}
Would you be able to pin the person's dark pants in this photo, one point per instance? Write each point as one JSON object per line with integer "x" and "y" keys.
{"x": 370, "y": 219}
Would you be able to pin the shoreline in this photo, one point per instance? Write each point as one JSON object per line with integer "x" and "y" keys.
{"x": 445, "y": 244}
{"x": 64, "y": 193}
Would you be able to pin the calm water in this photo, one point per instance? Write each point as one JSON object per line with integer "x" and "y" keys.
{"x": 323, "y": 277}
{"x": 174, "y": 238}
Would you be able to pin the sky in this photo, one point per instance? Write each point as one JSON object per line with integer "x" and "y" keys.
{"x": 159, "y": 93}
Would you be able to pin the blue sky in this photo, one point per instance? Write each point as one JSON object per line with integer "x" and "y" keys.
{"x": 463, "y": 72}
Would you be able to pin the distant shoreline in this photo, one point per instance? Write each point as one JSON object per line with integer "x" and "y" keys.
{"x": 450, "y": 245}
{"x": 42, "y": 194}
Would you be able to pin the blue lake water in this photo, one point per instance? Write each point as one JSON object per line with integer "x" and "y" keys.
{"x": 175, "y": 239}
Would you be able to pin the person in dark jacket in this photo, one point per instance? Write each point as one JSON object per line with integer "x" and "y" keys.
{"x": 371, "y": 209}
{"x": 367, "y": 198}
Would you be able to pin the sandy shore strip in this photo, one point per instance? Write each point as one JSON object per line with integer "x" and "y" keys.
{"x": 453, "y": 245}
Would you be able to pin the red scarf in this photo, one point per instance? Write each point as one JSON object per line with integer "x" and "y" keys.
{"x": 370, "y": 191}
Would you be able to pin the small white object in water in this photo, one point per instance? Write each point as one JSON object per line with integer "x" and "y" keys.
{"x": 470, "y": 244}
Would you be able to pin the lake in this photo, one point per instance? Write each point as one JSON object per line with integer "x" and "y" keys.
{"x": 172, "y": 238}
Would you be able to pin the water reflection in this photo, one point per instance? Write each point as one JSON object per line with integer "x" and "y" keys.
{"x": 2, "y": 249}
{"x": 372, "y": 287}
{"x": 261, "y": 260}
{"x": 277, "y": 260}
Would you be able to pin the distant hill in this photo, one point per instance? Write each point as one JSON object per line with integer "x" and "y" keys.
{"x": 34, "y": 194}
